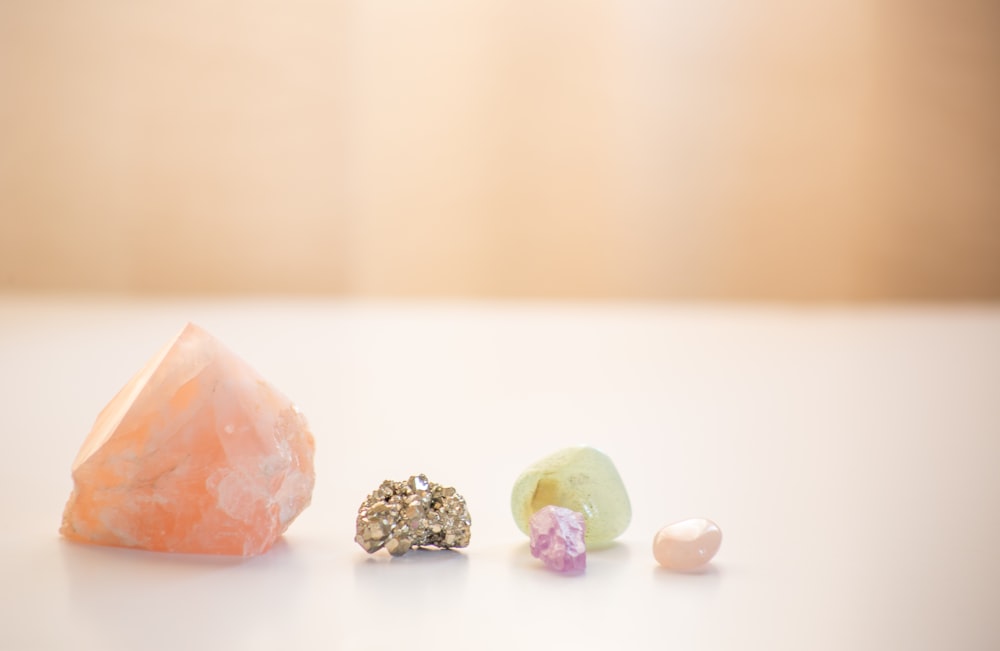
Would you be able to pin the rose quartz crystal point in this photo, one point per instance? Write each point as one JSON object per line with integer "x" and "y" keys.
{"x": 196, "y": 454}
{"x": 688, "y": 544}
{"x": 557, "y": 538}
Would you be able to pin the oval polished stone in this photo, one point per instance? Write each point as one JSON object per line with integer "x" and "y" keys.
{"x": 688, "y": 544}
{"x": 581, "y": 479}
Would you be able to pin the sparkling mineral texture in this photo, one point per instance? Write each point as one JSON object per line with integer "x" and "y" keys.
{"x": 557, "y": 538}
{"x": 581, "y": 479}
{"x": 196, "y": 454}
{"x": 401, "y": 515}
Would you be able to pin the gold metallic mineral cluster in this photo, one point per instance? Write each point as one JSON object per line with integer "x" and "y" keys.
{"x": 416, "y": 513}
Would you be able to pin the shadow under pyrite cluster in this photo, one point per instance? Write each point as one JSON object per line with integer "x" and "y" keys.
{"x": 416, "y": 513}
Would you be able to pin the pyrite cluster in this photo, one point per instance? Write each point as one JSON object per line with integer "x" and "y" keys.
{"x": 416, "y": 513}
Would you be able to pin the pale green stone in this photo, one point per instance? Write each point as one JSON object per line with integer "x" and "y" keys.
{"x": 582, "y": 479}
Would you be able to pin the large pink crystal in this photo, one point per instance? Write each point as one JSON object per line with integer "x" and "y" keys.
{"x": 557, "y": 538}
{"x": 196, "y": 454}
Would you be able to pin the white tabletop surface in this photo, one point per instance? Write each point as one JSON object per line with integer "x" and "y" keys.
{"x": 849, "y": 455}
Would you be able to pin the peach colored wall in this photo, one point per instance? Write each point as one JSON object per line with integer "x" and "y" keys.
{"x": 831, "y": 149}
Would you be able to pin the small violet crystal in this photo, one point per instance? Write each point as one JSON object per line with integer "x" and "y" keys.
{"x": 557, "y": 538}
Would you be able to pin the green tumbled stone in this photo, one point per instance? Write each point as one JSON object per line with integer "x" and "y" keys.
{"x": 582, "y": 479}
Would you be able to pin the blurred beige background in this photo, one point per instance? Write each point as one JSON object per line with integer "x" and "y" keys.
{"x": 831, "y": 149}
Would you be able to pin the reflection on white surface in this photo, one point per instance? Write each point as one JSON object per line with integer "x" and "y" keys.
{"x": 604, "y": 566}
{"x": 827, "y": 444}
{"x": 423, "y": 570}
{"x": 132, "y": 599}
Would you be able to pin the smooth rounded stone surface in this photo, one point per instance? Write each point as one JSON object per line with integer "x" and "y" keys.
{"x": 688, "y": 544}
{"x": 582, "y": 479}
{"x": 197, "y": 454}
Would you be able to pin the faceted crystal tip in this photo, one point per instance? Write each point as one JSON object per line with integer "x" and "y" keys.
{"x": 400, "y": 516}
{"x": 196, "y": 454}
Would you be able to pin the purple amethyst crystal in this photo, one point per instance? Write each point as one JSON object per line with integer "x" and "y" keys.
{"x": 557, "y": 539}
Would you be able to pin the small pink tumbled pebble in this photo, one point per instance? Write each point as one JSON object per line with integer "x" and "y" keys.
{"x": 688, "y": 544}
